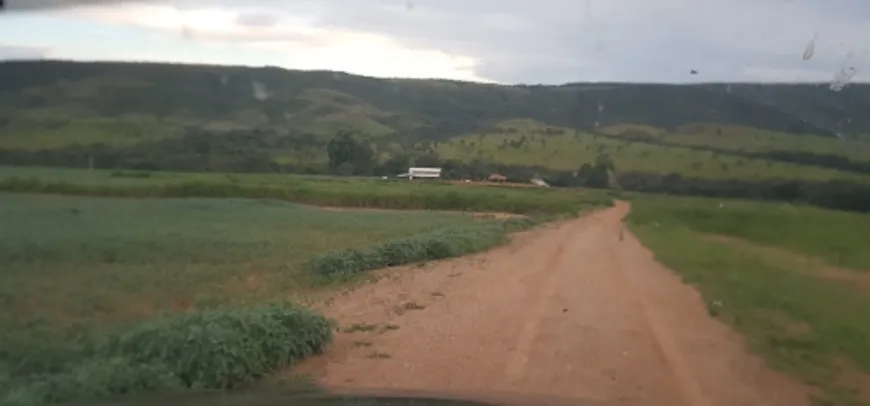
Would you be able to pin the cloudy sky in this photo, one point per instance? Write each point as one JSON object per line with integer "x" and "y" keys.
{"x": 505, "y": 41}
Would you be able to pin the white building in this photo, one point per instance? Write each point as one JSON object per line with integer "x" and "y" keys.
{"x": 426, "y": 173}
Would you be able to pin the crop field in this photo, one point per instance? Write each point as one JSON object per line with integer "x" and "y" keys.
{"x": 315, "y": 190}
{"x": 565, "y": 149}
{"x": 114, "y": 260}
{"x": 100, "y": 266}
{"x": 792, "y": 279}
{"x": 120, "y": 276}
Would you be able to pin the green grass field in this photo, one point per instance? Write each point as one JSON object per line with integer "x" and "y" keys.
{"x": 524, "y": 142}
{"x": 113, "y": 260}
{"x": 772, "y": 280}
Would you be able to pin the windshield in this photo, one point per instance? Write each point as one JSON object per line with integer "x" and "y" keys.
{"x": 487, "y": 202}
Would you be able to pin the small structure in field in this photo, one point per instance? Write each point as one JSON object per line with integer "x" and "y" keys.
{"x": 425, "y": 173}
{"x": 497, "y": 178}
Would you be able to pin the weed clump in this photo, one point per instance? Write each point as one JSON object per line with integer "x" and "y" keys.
{"x": 435, "y": 245}
{"x": 212, "y": 349}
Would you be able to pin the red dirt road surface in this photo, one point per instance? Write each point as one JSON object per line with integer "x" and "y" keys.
{"x": 570, "y": 310}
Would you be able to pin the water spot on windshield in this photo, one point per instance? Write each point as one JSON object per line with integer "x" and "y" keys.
{"x": 811, "y": 48}
{"x": 260, "y": 92}
{"x": 843, "y": 78}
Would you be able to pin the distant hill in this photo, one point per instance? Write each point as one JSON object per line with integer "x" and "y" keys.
{"x": 290, "y": 115}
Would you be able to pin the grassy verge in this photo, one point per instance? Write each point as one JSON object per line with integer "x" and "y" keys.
{"x": 214, "y": 349}
{"x": 834, "y": 236}
{"x": 810, "y": 327}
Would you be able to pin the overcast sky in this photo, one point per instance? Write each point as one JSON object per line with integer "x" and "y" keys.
{"x": 505, "y": 41}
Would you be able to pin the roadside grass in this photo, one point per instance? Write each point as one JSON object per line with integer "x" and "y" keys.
{"x": 315, "y": 190}
{"x": 810, "y": 327}
{"x": 836, "y": 237}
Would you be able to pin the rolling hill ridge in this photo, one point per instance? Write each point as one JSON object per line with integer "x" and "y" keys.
{"x": 55, "y": 112}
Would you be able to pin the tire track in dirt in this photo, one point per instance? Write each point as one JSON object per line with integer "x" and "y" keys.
{"x": 687, "y": 385}
{"x": 516, "y": 367}
{"x": 576, "y": 309}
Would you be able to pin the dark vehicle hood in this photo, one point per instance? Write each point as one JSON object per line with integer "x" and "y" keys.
{"x": 351, "y": 397}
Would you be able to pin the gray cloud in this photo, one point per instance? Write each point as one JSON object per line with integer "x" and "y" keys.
{"x": 10, "y": 52}
{"x": 27, "y": 5}
{"x": 551, "y": 41}
{"x": 638, "y": 40}
{"x": 554, "y": 41}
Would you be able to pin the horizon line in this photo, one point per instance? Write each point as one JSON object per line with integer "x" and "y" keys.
{"x": 563, "y": 84}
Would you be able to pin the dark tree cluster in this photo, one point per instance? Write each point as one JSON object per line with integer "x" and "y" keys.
{"x": 834, "y": 194}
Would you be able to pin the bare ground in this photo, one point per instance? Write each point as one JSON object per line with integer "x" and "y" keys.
{"x": 495, "y": 215}
{"x": 574, "y": 309}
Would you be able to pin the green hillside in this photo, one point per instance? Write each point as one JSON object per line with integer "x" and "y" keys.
{"x": 155, "y": 116}
{"x": 738, "y": 138}
{"x": 525, "y": 142}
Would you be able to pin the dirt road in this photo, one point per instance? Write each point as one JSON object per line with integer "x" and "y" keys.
{"x": 571, "y": 309}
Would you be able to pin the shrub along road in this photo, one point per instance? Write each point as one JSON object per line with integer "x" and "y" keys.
{"x": 571, "y": 309}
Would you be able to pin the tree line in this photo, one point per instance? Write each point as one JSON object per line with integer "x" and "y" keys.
{"x": 833, "y": 194}
{"x": 350, "y": 154}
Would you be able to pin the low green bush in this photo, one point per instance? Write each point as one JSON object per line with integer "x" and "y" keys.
{"x": 222, "y": 348}
{"x": 93, "y": 379}
{"x": 438, "y": 244}
{"x": 211, "y": 349}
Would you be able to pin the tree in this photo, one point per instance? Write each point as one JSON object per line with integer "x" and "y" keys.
{"x": 605, "y": 161}
{"x": 346, "y": 148}
{"x": 428, "y": 160}
{"x": 395, "y": 164}
{"x": 345, "y": 169}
